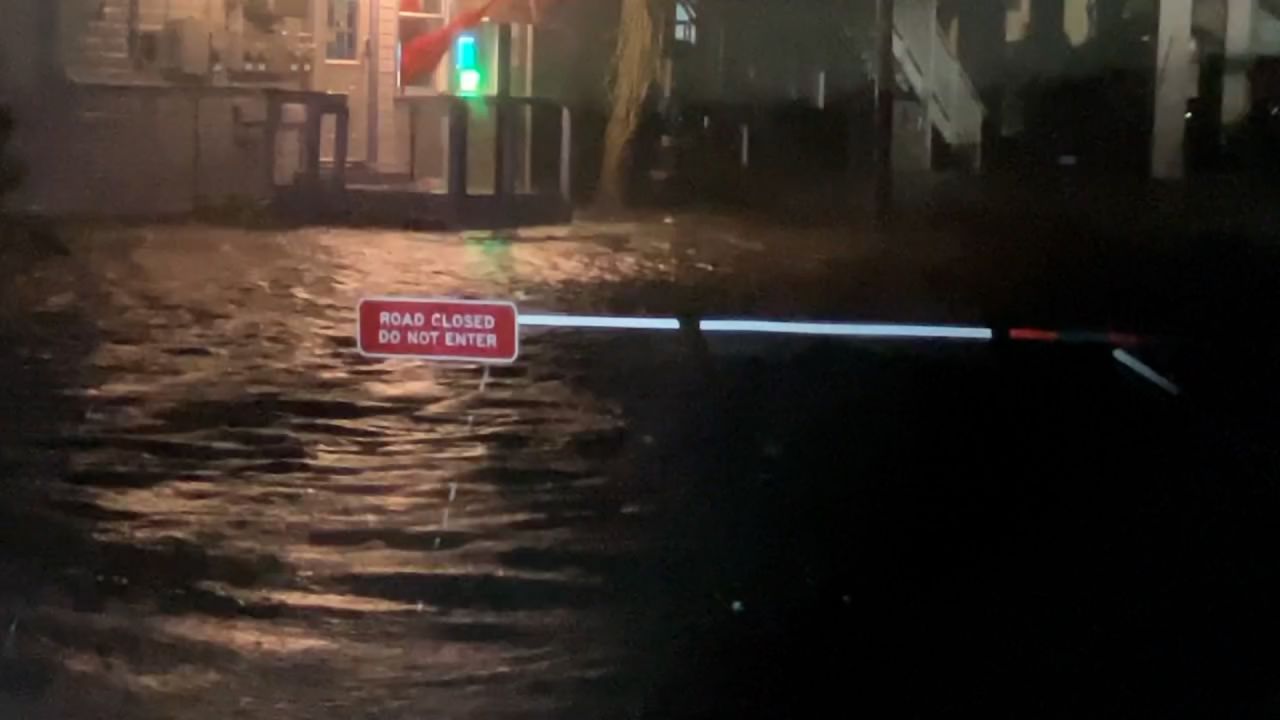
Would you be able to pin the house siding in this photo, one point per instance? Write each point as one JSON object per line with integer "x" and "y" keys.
{"x": 392, "y": 153}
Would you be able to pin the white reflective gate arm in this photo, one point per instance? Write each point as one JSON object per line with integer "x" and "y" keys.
{"x": 1145, "y": 371}
{"x": 825, "y": 329}
{"x": 601, "y": 322}
{"x": 768, "y": 327}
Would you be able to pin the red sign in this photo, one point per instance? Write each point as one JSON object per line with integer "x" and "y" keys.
{"x": 448, "y": 330}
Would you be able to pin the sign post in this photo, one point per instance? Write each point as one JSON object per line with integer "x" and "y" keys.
{"x": 463, "y": 331}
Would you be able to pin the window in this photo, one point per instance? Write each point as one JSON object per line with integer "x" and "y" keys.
{"x": 419, "y": 17}
{"x": 343, "y": 16}
{"x": 686, "y": 23}
{"x": 434, "y": 8}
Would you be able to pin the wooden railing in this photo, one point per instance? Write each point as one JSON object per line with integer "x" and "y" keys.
{"x": 524, "y": 129}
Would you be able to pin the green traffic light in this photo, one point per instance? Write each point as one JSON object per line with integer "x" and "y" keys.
{"x": 469, "y": 77}
{"x": 469, "y": 82}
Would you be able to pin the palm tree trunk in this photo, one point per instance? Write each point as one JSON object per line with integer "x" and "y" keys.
{"x": 636, "y": 66}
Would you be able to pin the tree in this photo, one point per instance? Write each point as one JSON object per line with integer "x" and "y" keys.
{"x": 636, "y": 63}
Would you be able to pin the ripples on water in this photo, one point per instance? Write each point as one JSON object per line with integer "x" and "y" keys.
{"x": 217, "y": 509}
{"x": 283, "y": 527}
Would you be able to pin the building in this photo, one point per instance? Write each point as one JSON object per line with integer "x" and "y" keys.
{"x": 108, "y": 81}
{"x": 1178, "y": 55}
{"x": 983, "y": 82}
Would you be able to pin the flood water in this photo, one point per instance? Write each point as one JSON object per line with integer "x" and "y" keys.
{"x": 219, "y": 509}
{"x": 272, "y": 525}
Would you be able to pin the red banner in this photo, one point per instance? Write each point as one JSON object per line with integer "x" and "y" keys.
{"x": 422, "y": 55}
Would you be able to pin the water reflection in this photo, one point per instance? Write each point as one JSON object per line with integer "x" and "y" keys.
{"x": 278, "y": 526}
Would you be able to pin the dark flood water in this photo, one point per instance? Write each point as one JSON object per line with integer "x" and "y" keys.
{"x": 237, "y": 510}
{"x": 217, "y": 509}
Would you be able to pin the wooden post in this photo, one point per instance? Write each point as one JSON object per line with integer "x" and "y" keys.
{"x": 271, "y": 133}
{"x": 503, "y": 177}
{"x": 458, "y": 117}
{"x": 311, "y": 144}
{"x": 196, "y": 160}
{"x": 413, "y": 142}
{"x": 342, "y": 136}
{"x": 566, "y": 155}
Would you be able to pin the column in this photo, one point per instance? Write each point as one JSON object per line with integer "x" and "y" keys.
{"x": 929, "y": 103}
{"x": 982, "y": 53}
{"x": 885, "y": 81}
{"x": 1175, "y": 78}
{"x": 1047, "y": 38}
{"x": 1238, "y": 50}
{"x": 1047, "y": 18}
{"x": 1108, "y": 16}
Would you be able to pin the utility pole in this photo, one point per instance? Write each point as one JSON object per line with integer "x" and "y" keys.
{"x": 886, "y": 83}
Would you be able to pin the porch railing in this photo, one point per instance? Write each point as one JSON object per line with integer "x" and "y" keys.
{"x": 500, "y": 146}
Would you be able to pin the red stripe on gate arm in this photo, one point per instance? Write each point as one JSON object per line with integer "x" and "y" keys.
{"x": 1124, "y": 339}
{"x": 1034, "y": 335}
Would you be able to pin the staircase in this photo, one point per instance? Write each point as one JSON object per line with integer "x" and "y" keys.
{"x": 99, "y": 46}
{"x": 929, "y": 69}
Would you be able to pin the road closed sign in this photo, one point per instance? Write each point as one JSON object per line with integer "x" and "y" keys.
{"x": 443, "y": 330}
